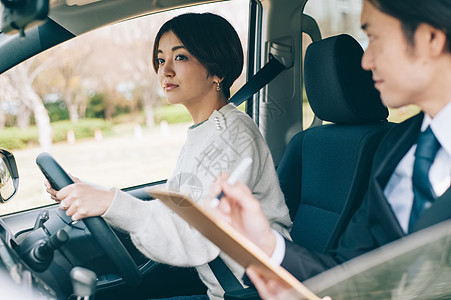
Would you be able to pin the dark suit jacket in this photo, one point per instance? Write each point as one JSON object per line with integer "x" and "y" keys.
{"x": 374, "y": 224}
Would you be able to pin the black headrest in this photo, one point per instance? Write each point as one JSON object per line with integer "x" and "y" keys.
{"x": 337, "y": 87}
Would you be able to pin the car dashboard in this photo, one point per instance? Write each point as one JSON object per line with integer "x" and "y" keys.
{"x": 17, "y": 275}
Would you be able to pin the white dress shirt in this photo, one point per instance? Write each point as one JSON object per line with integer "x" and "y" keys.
{"x": 399, "y": 191}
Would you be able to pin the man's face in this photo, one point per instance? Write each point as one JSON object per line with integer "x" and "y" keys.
{"x": 400, "y": 71}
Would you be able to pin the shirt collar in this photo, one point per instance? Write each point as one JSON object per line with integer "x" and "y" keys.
{"x": 218, "y": 118}
{"x": 441, "y": 126}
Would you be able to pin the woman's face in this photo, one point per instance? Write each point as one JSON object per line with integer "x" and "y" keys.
{"x": 183, "y": 78}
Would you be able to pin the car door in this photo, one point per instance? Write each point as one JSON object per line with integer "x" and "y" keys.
{"x": 110, "y": 124}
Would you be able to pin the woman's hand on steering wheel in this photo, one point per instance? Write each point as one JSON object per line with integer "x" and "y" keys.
{"x": 81, "y": 200}
{"x": 52, "y": 192}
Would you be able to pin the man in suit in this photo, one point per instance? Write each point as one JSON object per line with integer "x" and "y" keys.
{"x": 409, "y": 54}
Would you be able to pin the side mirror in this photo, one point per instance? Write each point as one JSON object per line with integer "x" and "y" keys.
{"x": 9, "y": 176}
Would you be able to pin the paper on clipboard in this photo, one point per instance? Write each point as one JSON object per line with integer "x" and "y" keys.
{"x": 234, "y": 244}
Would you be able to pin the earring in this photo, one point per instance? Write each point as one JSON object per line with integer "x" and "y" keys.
{"x": 218, "y": 87}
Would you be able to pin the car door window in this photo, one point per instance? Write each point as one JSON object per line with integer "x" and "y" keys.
{"x": 110, "y": 121}
{"x": 336, "y": 17}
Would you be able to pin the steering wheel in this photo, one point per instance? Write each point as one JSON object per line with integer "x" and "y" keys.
{"x": 102, "y": 233}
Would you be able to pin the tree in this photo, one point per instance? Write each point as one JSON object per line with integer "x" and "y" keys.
{"x": 8, "y": 100}
{"x": 66, "y": 75}
{"x": 21, "y": 79}
{"x": 135, "y": 41}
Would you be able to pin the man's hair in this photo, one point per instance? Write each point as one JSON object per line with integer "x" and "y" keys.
{"x": 412, "y": 13}
{"x": 212, "y": 40}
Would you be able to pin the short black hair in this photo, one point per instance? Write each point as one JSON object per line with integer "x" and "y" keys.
{"x": 212, "y": 40}
{"x": 412, "y": 13}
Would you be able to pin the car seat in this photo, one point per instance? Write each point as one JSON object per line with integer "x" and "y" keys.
{"x": 325, "y": 170}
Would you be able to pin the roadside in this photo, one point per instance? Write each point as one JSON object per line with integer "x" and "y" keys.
{"x": 132, "y": 156}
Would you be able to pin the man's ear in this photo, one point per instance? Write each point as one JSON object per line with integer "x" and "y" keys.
{"x": 434, "y": 38}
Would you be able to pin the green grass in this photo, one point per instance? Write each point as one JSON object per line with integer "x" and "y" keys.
{"x": 172, "y": 114}
{"x": 82, "y": 129}
{"x": 20, "y": 138}
{"x": 176, "y": 114}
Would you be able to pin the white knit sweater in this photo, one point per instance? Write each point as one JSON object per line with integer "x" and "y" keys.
{"x": 216, "y": 145}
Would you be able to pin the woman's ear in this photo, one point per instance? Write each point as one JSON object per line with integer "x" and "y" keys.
{"x": 217, "y": 78}
{"x": 218, "y": 82}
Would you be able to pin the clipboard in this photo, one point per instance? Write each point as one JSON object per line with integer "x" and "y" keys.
{"x": 417, "y": 266}
{"x": 229, "y": 240}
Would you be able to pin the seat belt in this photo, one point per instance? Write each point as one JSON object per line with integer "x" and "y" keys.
{"x": 224, "y": 275}
{"x": 270, "y": 70}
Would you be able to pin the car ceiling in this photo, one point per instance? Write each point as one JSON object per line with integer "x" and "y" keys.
{"x": 79, "y": 19}
{"x": 70, "y": 18}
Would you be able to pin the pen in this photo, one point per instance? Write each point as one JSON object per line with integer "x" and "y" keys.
{"x": 233, "y": 178}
